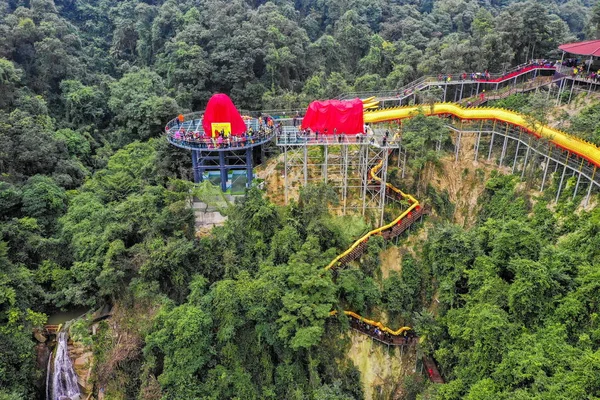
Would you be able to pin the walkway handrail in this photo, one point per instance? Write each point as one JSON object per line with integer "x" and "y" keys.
{"x": 433, "y": 80}
{"x": 190, "y": 134}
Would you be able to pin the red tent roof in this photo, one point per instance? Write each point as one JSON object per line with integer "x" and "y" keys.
{"x": 587, "y": 48}
{"x": 220, "y": 108}
{"x": 344, "y": 116}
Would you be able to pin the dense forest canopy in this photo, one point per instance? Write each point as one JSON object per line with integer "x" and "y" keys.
{"x": 94, "y": 203}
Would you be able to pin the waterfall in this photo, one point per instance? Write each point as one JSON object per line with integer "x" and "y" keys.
{"x": 64, "y": 379}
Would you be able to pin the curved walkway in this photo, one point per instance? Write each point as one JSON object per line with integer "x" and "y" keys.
{"x": 405, "y": 335}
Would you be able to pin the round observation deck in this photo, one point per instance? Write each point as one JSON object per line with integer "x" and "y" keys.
{"x": 190, "y": 135}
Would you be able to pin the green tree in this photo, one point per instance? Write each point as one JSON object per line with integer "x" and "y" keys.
{"x": 140, "y": 106}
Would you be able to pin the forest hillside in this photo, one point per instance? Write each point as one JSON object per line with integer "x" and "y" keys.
{"x": 95, "y": 207}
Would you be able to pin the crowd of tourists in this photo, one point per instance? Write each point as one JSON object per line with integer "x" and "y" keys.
{"x": 221, "y": 139}
{"x": 580, "y": 70}
{"x": 485, "y": 76}
{"x": 325, "y": 136}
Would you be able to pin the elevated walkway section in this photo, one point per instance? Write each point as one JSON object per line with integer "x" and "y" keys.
{"x": 474, "y": 85}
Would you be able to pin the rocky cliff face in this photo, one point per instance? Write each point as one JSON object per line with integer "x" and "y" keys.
{"x": 382, "y": 368}
{"x": 83, "y": 360}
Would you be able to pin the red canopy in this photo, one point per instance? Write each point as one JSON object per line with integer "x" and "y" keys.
{"x": 220, "y": 109}
{"x": 344, "y": 116}
{"x": 587, "y": 48}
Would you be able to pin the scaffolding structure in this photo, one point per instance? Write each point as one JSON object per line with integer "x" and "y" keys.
{"x": 344, "y": 162}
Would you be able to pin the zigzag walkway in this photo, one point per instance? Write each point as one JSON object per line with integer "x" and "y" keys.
{"x": 375, "y": 329}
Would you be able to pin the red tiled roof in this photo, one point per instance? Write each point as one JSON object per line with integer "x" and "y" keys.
{"x": 587, "y": 48}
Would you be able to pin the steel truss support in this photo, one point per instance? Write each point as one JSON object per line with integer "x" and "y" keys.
{"x": 549, "y": 154}
{"x": 345, "y": 166}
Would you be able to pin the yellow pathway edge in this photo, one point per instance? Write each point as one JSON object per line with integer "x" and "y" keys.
{"x": 573, "y": 144}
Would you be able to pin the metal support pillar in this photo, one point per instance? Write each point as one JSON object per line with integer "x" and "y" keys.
{"x": 445, "y": 89}
{"x": 526, "y": 158}
{"x": 223, "y": 169}
{"x": 560, "y": 87}
{"x": 571, "y": 92}
{"x": 365, "y": 175}
{"x": 578, "y": 178}
{"x": 344, "y": 149}
{"x": 547, "y": 162}
{"x": 477, "y": 144}
{"x": 503, "y": 149}
{"x": 457, "y": 146}
{"x": 197, "y": 175}
{"x": 404, "y": 165}
{"x": 491, "y": 145}
{"x": 325, "y": 161}
{"x": 249, "y": 173}
{"x": 305, "y": 165}
{"x": 383, "y": 172}
{"x": 516, "y": 154}
{"x": 562, "y": 178}
{"x": 285, "y": 174}
{"x": 589, "y": 192}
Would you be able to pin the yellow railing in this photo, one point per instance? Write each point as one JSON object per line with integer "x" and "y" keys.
{"x": 376, "y": 324}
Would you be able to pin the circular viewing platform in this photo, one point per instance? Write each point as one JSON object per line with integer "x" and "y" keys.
{"x": 190, "y": 135}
